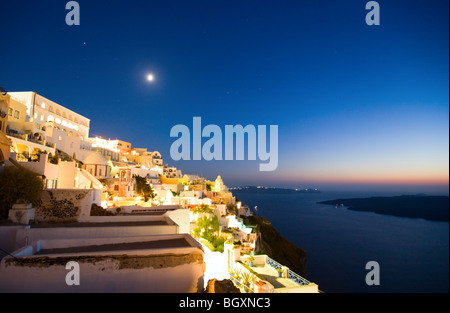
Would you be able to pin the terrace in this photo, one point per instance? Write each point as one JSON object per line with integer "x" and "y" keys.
{"x": 98, "y": 227}
{"x": 121, "y": 246}
{"x": 150, "y": 264}
{"x": 267, "y": 272}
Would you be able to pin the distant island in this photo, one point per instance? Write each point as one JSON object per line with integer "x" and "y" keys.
{"x": 276, "y": 190}
{"x": 433, "y": 208}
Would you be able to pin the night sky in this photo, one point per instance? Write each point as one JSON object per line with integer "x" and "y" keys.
{"x": 355, "y": 104}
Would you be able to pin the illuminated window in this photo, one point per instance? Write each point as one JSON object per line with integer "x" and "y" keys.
{"x": 43, "y": 105}
{"x": 10, "y": 111}
{"x": 16, "y": 114}
{"x": 59, "y": 138}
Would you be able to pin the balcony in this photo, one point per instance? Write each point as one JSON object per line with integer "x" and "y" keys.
{"x": 50, "y": 145}
{"x": 28, "y": 140}
{"x": 40, "y": 142}
{"x": 275, "y": 277}
{"x": 14, "y": 133}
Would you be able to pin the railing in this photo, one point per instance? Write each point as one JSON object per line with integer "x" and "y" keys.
{"x": 273, "y": 264}
{"x": 290, "y": 274}
{"x": 298, "y": 279}
{"x": 27, "y": 137}
{"x": 17, "y": 135}
{"x": 41, "y": 142}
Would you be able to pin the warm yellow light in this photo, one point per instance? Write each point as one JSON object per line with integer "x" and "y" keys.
{"x": 105, "y": 144}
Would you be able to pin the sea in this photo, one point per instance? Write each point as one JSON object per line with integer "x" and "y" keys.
{"x": 412, "y": 253}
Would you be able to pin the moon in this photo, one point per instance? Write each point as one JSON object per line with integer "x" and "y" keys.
{"x": 150, "y": 77}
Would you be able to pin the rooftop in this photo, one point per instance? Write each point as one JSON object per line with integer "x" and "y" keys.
{"x": 141, "y": 245}
{"x": 133, "y": 245}
{"x": 106, "y": 224}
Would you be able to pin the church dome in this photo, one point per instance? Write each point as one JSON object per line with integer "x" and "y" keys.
{"x": 96, "y": 158}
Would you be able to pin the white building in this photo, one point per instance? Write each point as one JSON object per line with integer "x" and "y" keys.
{"x": 108, "y": 148}
{"x": 56, "y": 125}
{"x": 172, "y": 172}
{"x": 156, "y": 158}
{"x": 97, "y": 165}
{"x": 64, "y": 175}
{"x": 193, "y": 179}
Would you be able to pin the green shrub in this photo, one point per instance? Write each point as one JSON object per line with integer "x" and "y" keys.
{"x": 204, "y": 208}
{"x": 18, "y": 184}
{"x": 143, "y": 188}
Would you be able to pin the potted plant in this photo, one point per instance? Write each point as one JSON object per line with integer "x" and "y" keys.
{"x": 232, "y": 271}
{"x": 250, "y": 260}
{"x": 280, "y": 272}
{"x": 236, "y": 275}
{"x": 247, "y": 279}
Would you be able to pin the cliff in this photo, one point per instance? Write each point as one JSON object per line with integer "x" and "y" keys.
{"x": 272, "y": 243}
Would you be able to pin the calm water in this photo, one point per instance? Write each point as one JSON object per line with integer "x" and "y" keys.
{"x": 413, "y": 253}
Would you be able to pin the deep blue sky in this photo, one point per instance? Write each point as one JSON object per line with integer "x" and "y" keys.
{"x": 354, "y": 104}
